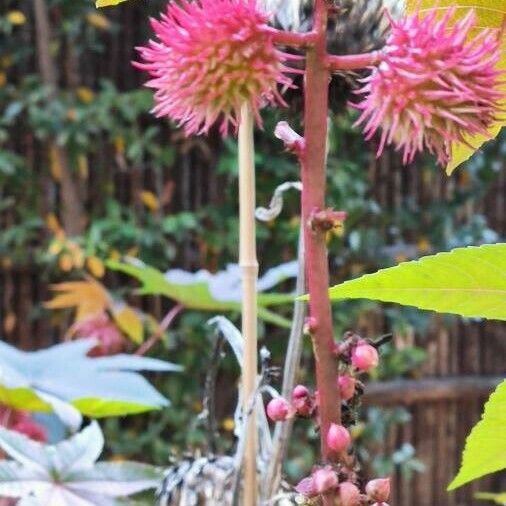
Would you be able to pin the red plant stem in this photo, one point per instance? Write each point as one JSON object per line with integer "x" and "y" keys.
{"x": 164, "y": 325}
{"x": 313, "y": 161}
{"x": 353, "y": 61}
{"x": 293, "y": 39}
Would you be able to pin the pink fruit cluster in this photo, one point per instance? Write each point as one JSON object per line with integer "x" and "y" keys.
{"x": 326, "y": 479}
{"x": 356, "y": 355}
{"x": 302, "y": 404}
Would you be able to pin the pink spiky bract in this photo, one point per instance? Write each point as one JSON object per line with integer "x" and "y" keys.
{"x": 211, "y": 57}
{"x": 435, "y": 85}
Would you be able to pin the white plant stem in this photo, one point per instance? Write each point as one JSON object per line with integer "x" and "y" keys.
{"x": 249, "y": 269}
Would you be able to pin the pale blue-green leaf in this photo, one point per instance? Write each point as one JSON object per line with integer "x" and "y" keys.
{"x": 65, "y": 372}
{"x": 79, "y": 452}
{"x": 69, "y": 475}
{"x": 30, "y": 454}
{"x": 116, "y": 479}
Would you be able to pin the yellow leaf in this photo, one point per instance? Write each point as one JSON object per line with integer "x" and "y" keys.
{"x": 228, "y": 424}
{"x": 490, "y": 14}
{"x": 82, "y": 164}
{"x": 95, "y": 266}
{"x": 87, "y": 297}
{"x": 16, "y": 18}
{"x": 52, "y": 222}
{"x": 3, "y": 79}
{"x": 150, "y": 200}
{"x": 65, "y": 262}
{"x": 98, "y": 21}
{"x": 55, "y": 163}
{"x": 85, "y": 94}
{"x": 108, "y": 3}
{"x": 129, "y": 322}
{"x": 119, "y": 145}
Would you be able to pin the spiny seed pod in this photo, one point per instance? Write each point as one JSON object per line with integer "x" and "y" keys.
{"x": 378, "y": 490}
{"x": 338, "y": 438}
{"x": 365, "y": 357}
{"x": 347, "y": 385}
{"x": 211, "y": 56}
{"x": 279, "y": 409}
{"x": 325, "y": 479}
{"x": 437, "y": 84}
{"x": 349, "y": 494}
{"x": 301, "y": 401}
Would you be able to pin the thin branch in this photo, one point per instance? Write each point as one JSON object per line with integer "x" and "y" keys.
{"x": 338, "y": 63}
{"x": 209, "y": 412}
{"x": 283, "y": 430}
{"x": 293, "y": 39}
{"x": 162, "y": 328}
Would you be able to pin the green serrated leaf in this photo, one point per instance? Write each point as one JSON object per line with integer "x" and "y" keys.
{"x": 485, "y": 450}
{"x": 195, "y": 292}
{"x": 469, "y": 282}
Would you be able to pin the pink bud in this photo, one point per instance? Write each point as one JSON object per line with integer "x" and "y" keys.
{"x": 378, "y": 490}
{"x": 325, "y": 479}
{"x": 349, "y": 494}
{"x": 306, "y": 487}
{"x": 346, "y": 386}
{"x": 310, "y": 325}
{"x": 338, "y": 438}
{"x": 301, "y": 401}
{"x": 279, "y": 409}
{"x": 364, "y": 357}
{"x": 300, "y": 391}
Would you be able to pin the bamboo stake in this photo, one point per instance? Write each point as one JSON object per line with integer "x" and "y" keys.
{"x": 249, "y": 269}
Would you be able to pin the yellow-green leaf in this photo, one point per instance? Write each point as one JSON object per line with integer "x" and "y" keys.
{"x": 490, "y": 14}
{"x": 466, "y": 281}
{"x": 489, "y": 496}
{"x": 108, "y": 3}
{"x": 101, "y": 408}
{"x": 485, "y": 450}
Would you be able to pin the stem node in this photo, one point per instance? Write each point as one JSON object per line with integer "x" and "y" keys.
{"x": 292, "y": 140}
{"x": 325, "y": 220}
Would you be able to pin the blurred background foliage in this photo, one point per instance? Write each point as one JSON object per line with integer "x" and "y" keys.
{"x": 141, "y": 190}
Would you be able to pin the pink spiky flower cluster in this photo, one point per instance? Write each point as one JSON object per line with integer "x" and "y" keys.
{"x": 435, "y": 85}
{"x": 212, "y": 56}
